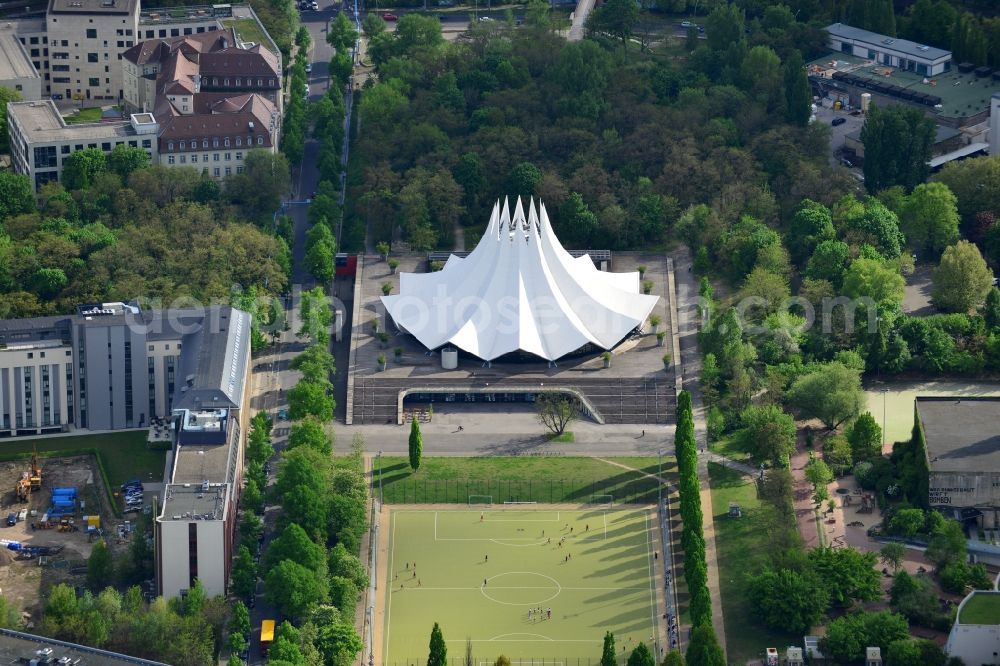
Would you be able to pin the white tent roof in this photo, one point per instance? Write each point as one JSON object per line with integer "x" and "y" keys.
{"x": 519, "y": 290}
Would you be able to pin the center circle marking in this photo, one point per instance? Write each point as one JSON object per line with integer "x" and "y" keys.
{"x": 555, "y": 583}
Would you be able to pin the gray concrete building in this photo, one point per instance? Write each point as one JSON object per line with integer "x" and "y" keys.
{"x": 963, "y": 456}
{"x": 16, "y": 69}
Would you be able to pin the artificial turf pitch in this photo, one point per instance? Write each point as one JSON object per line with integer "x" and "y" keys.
{"x": 478, "y": 572}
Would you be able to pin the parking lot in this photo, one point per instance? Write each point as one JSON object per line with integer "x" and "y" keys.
{"x": 838, "y": 133}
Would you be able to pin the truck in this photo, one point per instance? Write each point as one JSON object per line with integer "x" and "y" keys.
{"x": 266, "y": 636}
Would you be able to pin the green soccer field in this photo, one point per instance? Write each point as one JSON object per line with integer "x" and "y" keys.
{"x": 477, "y": 573}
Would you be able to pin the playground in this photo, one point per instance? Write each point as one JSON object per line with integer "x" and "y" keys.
{"x": 538, "y": 583}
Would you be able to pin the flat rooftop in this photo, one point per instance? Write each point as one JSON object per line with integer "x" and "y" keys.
{"x": 920, "y": 51}
{"x": 962, "y": 95}
{"x": 14, "y": 60}
{"x": 42, "y": 122}
{"x": 18, "y": 647}
{"x": 962, "y": 434}
{"x": 196, "y": 463}
{"x": 194, "y": 501}
{"x": 981, "y": 608}
{"x": 93, "y": 6}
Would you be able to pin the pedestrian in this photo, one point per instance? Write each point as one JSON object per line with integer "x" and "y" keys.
{"x": 407, "y": 566}
{"x": 484, "y": 582}
{"x": 643, "y": 434}
{"x": 587, "y": 529}
{"x": 414, "y": 573}
{"x": 550, "y": 613}
{"x": 529, "y": 615}
{"x": 418, "y": 582}
{"x": 460, "y": 428}
{"x": 571, "y": 530}
{"x": 481, "y": 517}
{"x": 550, "y": 540}
{"x": 487, "y": 558}
{"x": 655, "y": 555}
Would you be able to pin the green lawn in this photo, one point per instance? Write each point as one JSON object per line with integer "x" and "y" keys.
{"x": 123, "y": 454}
{"x": 526, "y": 478}
{"x": 743, "y": 547}
{"x": 982, "y": 608}
{"x": 727, "y": 447}
{"x": 898, "y": 412}
{"x": 92, "y": 115}
{"x": 248, "y": 30}
{"x": 477, "y": 573}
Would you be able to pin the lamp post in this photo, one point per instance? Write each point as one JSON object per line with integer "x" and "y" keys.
{"x": 378, "y": 458}
{"x": 884, "y": 391}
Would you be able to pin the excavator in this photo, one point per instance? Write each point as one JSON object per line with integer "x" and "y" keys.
{"x": 23, "y": 488}
{"x": 36, "y": 471}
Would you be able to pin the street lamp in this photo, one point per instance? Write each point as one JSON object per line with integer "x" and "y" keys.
{"x": 378, "y": 459}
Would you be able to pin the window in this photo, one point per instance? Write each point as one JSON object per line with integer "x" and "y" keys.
{"x": 239, "y": 155}
{"x": 239, "y": 169}
{"x": 94, "y": 81}
{"x": 239, "y": 141}
{"x": 33, "y": 40}
{"x": 227, "y": 144}
{"x": 147, "y": 143}
{"x": 215, "y": 142}
{"x": 121, "y": 43}
{"x": 239, "y": 81}
{"x": 170, "y": 146}
{"x": 128, "y": 32}
{"x": 229, "y": 156}
{"x": 34, "y": 53}
{"x": 227, "y": 82}
{"x": 215, "y": 157}
{"x": 260, "y": 82}
{"x": 229, "y": 171}
{"x": 133, "y": 144}
{"x": 106, "y": 146}
{"x": 183, "y": 159}
{"x": 260, "y": 141}
{"x": 216, "y": 171}
{"x": 204, "y": 143}
{"x": 194, "y": 159}
{"x": 182, "y": 145}
{"x": 270, "y": 82}
{"x": 92, "y": 57}
{"x": 64, "y": 150}
{"x": 91, "y": 33}
{"x": 170, "y": 159}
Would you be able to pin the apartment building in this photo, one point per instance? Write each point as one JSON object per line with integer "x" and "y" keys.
{"x": 86, "y": 39}
{"x": 40, "y": 140}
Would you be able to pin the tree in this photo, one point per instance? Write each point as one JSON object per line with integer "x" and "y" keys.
{"x": 293, "y": 589}
{"x": 7, "y": 95}
{"x": 252, "y": 498}
{"x": 907, "y": 522}
{"x": 556, "y": 411}
{"x": 16, "y": 195}
{"x": 847, "y": 573}
{"x": 372, "y": 26}
{"x": 789, "y": 600}
{"x": 295, "y": 544}
{"x": 341, "y": 35}
{"x": 930, "y": 218}
{"x": 811, "y": 225}
{"x": 673, "y": 658}
{"x": 100, "y": 567}
{"x": 897, "y": 143}
{"x": 338, "y": 642}
{"x": 125, "y": 159}
{"x": 641, "y": 656}
{"x": 342, "y": 562}
{"x": 865, "y": 437}
{"x": 416, "y": 444}
{"x": 818, "y": 473}
{"x": 502, "y": 660}
{"x": 82, "y": 166}
{"x": 438, "y": 654}
{"x": 316, "y": 316}
{"x": 316, "y": 363}
{"x": 871, "y": 278}
{"x": 243, "y": 579}
{"x": 615, "y": 18}
{"x": 768, "y": 434}
{"x": 320, "y": 251}
{"x": 848, "y": 636}
{"x": 832, "y": 394}
{"x": 829, "y": 261}
{"x": 991, "y": 309}
{"x": 915, "y": 652}
{"x": 704, "y": 648}
{"x": 523, "y": 179}
{"x": 798, "y": 96}
{"x": 258, "y": 190}
{"x": 962, "y": 279}
{"x": 608, "y": 655}
{"x": 310, "y": 432}
{"x": 947, "y": 545}
{"x": 893, "y": 554}
{"x": 311, "y": 399}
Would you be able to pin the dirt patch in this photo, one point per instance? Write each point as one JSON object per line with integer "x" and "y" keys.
{"x": 25, "y": 581}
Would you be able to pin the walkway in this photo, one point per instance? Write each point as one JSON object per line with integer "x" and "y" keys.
{"x": 583, "y": 9}
{"x": 688, "y": 318}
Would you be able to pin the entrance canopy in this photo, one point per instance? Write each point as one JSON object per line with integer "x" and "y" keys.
{"x": 519, "y": 290}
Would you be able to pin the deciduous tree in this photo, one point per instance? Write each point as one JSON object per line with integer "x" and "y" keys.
{"x": 962, "y": 279}
{"x": 789, "y": 600}
{"x": 832, "y": 394}
{"x": 556, "y": 411}
{"x": 865, "y": 437}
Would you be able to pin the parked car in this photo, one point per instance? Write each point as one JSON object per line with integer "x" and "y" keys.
{"x": 56, "y": 96}
{"x": 309, "y": 68}
{"x": 283, "y": 413}
{"x": 838, "y": 121}
{"x": 12, "y": 519}
{"x": 686, "y": 24}
{"x": 389, "y": 17}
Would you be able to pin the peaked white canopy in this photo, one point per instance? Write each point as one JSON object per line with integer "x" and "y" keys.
{"x": 519, "y": 290}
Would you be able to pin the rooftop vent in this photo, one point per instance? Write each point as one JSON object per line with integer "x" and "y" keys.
{"x": 923, "y": 48}
{"x": 888, "y": 41}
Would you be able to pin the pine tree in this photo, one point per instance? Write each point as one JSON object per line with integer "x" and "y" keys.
{"x": 704, "y": 649}
{"x": 438, "y": 655}
{"x": 608, "y": 655}
{"x": 798, "y": 97}
{"x": 416, "y": 445}
{"x": 641, "y": 656}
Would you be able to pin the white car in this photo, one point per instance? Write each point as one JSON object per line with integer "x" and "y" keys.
{"x": 309, "y": 68}
{"x": 685, "y": 24}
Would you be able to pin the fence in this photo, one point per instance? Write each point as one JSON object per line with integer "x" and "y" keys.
{"x": 640, "y": 490}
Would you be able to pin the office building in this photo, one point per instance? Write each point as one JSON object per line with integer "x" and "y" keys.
{"x": 16, "y": 69}
{"x": 975, "y": 636}
{"x": 17, "y": 647}
{"x": 40, "y": 140}
{"x": 196, "y": 529}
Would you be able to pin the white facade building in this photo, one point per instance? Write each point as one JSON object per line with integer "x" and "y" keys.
{"x": 519, "y": 291}
{"x": 16, "y": 68}
{"x": 974, "y": 642}
{"x": 890, "y": 51}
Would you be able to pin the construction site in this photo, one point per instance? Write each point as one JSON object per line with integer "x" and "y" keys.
{"x": 52, "y": 510}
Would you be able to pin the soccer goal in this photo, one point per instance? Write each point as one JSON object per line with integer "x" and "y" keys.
{"x": 603, "y": 500}
{"x": 481, "y": 499}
